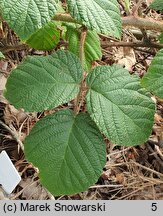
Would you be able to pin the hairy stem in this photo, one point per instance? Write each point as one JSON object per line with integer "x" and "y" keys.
{"x": 79, "y": 99}
{"x": 82, "y": 43}
{"x": 64, "y": 17}
{"x": 135, "y": 21}
{"x": 145, "y": 23}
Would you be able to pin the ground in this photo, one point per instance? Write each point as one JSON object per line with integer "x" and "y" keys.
{"x": 131, "y": 173}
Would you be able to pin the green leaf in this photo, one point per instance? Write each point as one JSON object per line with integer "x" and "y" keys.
{"x": 45, "y": 38}
{"x": 101, "y": 15}
{"x": 41, "y": 83}
{"x": 2, "y": 56}
{"x": 73, "y": 37}
{"x": 157, "y": 5}
{"x": 161, "y": 38}
{"x": 25, "y": 17}
{"x": 127, "y": 5}
{"x": 153, "y": 79}
{"x": 122, "y": 110}
{"x": 68, "y": 150}
{"x": 92, "y": 48}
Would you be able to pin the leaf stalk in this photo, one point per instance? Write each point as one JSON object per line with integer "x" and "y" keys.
{"x": 79, "y": 100}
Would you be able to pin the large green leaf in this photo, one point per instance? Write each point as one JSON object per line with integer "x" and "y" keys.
{"x": 157, "y": 5}
{"x": 153, "y": 79}
{"x": 41, "y": 83}
{"x": 27, "y": 16}
{"x": 68, "y": 150}
{"x": 122, "y": 110}
{"x": 101, "y": 15}
{"x": 45, "y": 38}
{"x": 92, "y": 48}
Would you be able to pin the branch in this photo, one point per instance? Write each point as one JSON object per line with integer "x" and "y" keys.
{"x": 136, "y": 7}
{"x": 154, "y": 154}
{"x": 129, "y": 21}
{"x": 8, "y": 48}
{"x": 13, "y": 134}
{"x": 133, "y": 44}
{"x": 145, "y": 23}
{"x": 135, "y": 21}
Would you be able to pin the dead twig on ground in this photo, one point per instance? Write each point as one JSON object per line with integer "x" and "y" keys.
{"x": 8, "y": 48}
{"x": 133, "y": 44}
{"x": 155, "y": 154}
{"x": 13, "y": 134}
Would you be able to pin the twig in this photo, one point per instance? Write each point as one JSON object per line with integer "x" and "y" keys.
{"x": 137, "y": 164}
{"x": 8, "y": 48}
{"x": 51, "y": 197}
{"x": 119, "y": 151}
{"x": 129, "y": 21}
{"x": 135, "y": 191}
{"x": 3, "y": 195}
{"x": 159, "y": 143}
{"x": 106, "y": 186}
{"x": 133, "y": 44}
{"x": 154, "y": 154}
{"x": 138, "y": 34}
{"x": 148, "y": 169}
{"x": 137, "y": 6}
{"x": 150, "y": 52}
{"x": 20, "y": 192}
{"x": 13, "y": 134}
{"x": 159, "y": 152}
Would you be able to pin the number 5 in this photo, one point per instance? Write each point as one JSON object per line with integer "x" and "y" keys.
{"x": 154, "y": 207}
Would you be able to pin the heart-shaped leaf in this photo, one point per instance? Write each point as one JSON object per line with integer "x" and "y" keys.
{"x": 122, "y": 110}
{"x": 26, "y": 16}
{"x": 101, "y": 15}
{"x": 41, "y": 83}
{"x": 68, "y": 150}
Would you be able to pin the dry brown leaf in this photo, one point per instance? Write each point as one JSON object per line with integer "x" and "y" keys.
{"x": 33, "y": 190}
{"x": 2, "y": 196}
{"x": 3, "y": 65}
{"x": 126, "y": 57}
{"x": 11, "y": 114}
{"x": 120, "y": 178}
{"x": 3, "y": 80}
{"x": 158, "y": 119}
